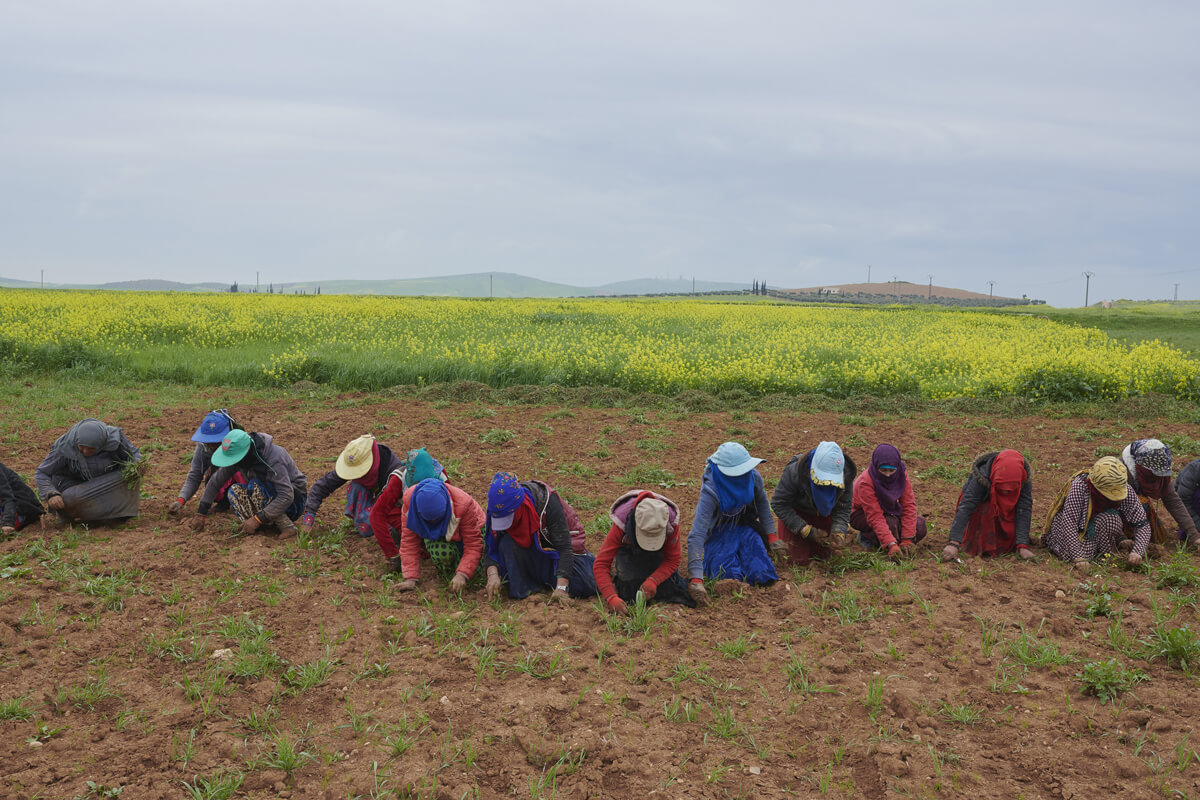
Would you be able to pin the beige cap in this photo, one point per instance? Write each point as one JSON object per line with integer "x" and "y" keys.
{"x": 355, "y": 461}
{"x": 651, "y": 518}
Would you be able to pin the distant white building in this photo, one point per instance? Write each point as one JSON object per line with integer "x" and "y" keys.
{"x": 832, "y": 290}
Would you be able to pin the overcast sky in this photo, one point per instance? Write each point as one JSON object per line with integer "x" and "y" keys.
{"x": 795, "y": 142}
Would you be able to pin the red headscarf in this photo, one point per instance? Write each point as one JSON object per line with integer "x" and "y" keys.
{"x": 1008, "y": 475}
{"x": 525, "y": 524}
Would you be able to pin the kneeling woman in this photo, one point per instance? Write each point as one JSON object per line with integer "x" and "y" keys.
{"x": 529, "y": 543}
{"x": 271, "y": 488}
{"x": 732, "y": 525}
{"x": 213, "y": 428}
{"x": 19, "y": 506}
{"x": 812, "y": 501}
{"x": 641, "y": 553}
{"x": 995, "y": 508}
{"x": 1089, "y": 518}
{"x": 436, "y": 521}
{"x": 884, "y": 508}
{"x": 1148, "y": 467}
{"x": 367, "y": 465}
{"x": 83, "y": 479}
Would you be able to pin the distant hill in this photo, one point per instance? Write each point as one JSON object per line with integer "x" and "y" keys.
{"x": 906, "y": 289}
{"x": 13, "y": 283}
{"x": 479, "y": 284}
{"x": 152, "y": 285}
{"x": 667, "y": 286}
{"x": 148, "y": 285}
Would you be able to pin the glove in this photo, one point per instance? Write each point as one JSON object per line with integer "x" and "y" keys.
{"x": 698, "y": 592}
{"x": 617, "y": 606}
{"x": 950, "y": 552}
{"x": 1026, "y": 553}
{"x": 305, "y": 526}
{"x": 393, "y": 566}
{"x": 250, "y": 525}
{"x": 493, "y": 583}
{"x": 406, "y": 585}
{"x": 649, "y": 590}
{"x": 174, "y": 508}
{"x": 560, "y": 596}
{"x": 893, "y": 552}
{"x": 198, "y": 522}
{"x": 458, "y": 582}
{"x": 1134, "y": 559}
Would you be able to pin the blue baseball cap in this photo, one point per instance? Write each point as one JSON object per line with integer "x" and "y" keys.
{"x": 213, "y": 429}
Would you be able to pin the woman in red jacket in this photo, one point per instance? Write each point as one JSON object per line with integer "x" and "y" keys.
{"x": 435, "y": 520}
{"x": 641, "y": 553}
{"x": 884, "y": 510}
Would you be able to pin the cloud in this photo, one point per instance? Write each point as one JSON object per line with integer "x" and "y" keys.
{"x": 1020, "y": 143}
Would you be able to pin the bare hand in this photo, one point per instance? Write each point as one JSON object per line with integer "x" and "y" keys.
{"x": 56, "y": 503}
{"x": 458, "y": 583}
{"x": 406, "y": 585}
{"x": 198, "y": 522}
{"x": 249, "y": 525}
{"x": 648, "y": 590}
{"x": 8, "y": 529}
{"x": 305, "y": 527}
{"x": 950, "y": 552}
{"x": 893, "y": 552}
{"x": 1134, "y": 559}
{"x": 908, "y": 546}
{"x": 617, "y": 606}
{"x": 493, "y": 584}
{"x": 698, "y": 593}
{"x": 1026, "y": 553}
{"x": 560, "y": 597}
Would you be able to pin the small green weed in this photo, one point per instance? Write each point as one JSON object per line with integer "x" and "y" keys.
{"x": 1107, "y": 679}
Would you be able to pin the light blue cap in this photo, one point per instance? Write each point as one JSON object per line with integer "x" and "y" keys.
{"x": 733, "y": 459}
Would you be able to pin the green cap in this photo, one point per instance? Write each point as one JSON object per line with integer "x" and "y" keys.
{"x": 233, "y": 449}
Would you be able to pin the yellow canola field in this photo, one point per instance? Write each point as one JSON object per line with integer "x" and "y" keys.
{"x": 659, "y": 345}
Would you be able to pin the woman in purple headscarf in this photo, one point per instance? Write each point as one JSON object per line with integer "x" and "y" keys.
{"x": 884, "y": 511}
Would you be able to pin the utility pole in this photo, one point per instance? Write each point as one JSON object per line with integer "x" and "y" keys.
{"x": 1177, "y": 292}
{"x": 693, "y": 284}
{"x": 991, "y": 286}
{"x": 1086, "y": 286}
{"x": 930, "y": 295}
{"x": 491, "y": 293}
{"x": 44, "y": 282}
{"x": 896, "y": 280}
{"x": 868, "y": 273}
{"x": 256, "y": 281}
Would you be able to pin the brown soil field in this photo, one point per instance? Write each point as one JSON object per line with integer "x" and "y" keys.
{"x": 859, "y": 678}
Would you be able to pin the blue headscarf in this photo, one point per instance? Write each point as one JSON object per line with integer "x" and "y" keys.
{"x": 429, "y": 510}
{"x": 825, "y": 476}
{"x": 734, "y": 492}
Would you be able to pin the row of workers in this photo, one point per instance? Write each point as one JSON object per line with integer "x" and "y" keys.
{"x": 533, "y": 539}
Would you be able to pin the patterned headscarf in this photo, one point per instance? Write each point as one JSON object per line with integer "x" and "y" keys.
{"x": 1149, "y": 454}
